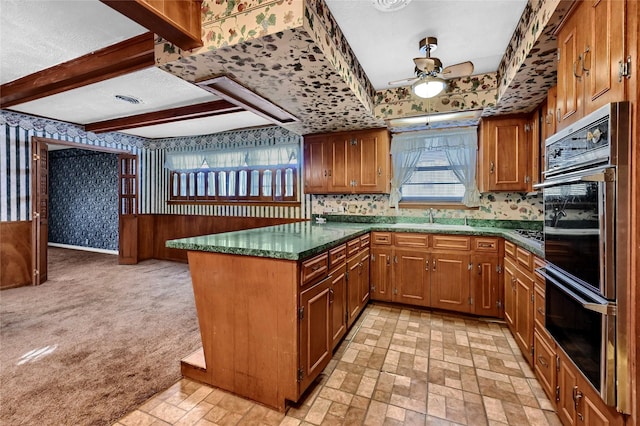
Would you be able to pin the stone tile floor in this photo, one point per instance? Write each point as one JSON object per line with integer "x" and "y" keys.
{"x": 397, "y": 366}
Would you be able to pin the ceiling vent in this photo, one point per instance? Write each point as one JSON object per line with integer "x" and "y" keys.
{"x": 390, "y": 5}
{"x": 129, "y": 99}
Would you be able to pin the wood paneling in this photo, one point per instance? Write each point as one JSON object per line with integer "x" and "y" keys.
{"x": 155, "y": 230}
{"x": 15, "y": 254}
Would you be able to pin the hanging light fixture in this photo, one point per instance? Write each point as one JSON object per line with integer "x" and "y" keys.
{"x": 428, "y": 86}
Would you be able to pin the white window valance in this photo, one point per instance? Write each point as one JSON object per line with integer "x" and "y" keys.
{"x": 218, "y": 159}
{"x": 460, "y": 146}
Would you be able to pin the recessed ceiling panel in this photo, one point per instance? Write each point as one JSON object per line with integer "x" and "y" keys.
{"x": 201, "y": 126}
{"x": 385, "y": 43}
{"x": 154, "y": 88}
{"x": 36, "y": 35}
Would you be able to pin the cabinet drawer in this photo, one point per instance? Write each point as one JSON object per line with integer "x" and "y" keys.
{"x": 353, "y": 247}
{"x": 451, "y": 242}
{"x": 539, "y": 309}
{"x": 337, "y": 256}
{"x": 545, "y": 363}
{"x": 364, "y": 241}
{"x": 486, "y": 244}
{"x": 524, "y": 258}
{"x": 402, "y": 239}
{"x": 381, "y": 238}
{"x": 510, "y": 249}
{"x": 314, "y": 268}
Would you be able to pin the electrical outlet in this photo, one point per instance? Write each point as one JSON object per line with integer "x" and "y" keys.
{"x": 86, "y": 241}
{"x": 352, "y": 208}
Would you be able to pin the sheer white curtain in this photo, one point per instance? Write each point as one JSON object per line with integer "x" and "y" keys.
{"x": 218, "y": 159}
{"x": 460, "y": 146}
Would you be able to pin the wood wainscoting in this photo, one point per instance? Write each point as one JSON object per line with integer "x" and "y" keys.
{"x": 15, "y": 254}
{"x": 154, "y": 231}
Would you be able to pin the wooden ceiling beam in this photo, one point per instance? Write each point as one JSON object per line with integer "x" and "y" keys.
{"x": 177, "y": 21}
{"x": 207, "y": 109}
{"x": 121, "y": 58}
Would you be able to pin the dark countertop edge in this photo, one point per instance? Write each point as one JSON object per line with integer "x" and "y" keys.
{"x": 508, "y": 234}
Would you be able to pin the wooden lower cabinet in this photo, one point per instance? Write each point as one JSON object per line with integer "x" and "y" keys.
{"x": 338, "y": 304}
{"x": 486, "y": 285}
{"x": 357, "y": 284}
{"x": 450, "y": 281}
{"x": 381, "y": 273}
{"x": 544, "y": 363}
{"x": 452, "y": 272}
{"x": 578, "y": 402}
{"x": 411, "y": 278}
{"x": 518, "y": 307}
{"x": 316, "y": 334}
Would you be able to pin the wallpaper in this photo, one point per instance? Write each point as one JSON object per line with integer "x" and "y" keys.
{"x": 493, "y": 206}
{"x": 83, "y": 198}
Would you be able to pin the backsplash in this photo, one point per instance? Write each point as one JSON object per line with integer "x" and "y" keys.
{"x": 514, "y": 206}
{"x": 83, "y": 198}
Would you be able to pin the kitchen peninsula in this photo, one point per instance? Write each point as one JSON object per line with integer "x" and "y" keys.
{"x": 274, "y": 302}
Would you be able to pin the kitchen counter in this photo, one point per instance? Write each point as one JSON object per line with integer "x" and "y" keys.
{"x": 301, "y": 240}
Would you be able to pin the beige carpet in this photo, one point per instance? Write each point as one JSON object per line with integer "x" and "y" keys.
{"x": 95, "y": 341}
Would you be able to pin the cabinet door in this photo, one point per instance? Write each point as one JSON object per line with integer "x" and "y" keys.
{"x": 338, "y": 307}
{"x": 315, "y": 165}
{"x": 510, "y": 272}
{"x": 411, "y": 273}
{"x": 485, "y": 285}
{"x": 316, "y": 342}
{"x": 569, "y": 71}
{"x": 544, "y": 364}
{"x": 567, "y": 389}
{"x": 353, "y": 289}
{"x": 370, "y": 163}
{"x": 338, "y": 165}
{"x": 381, "y": 273}
{"x": 603, "y": 51}
{"x": 505, "y": 151}
{"x": 364, "y": 290}
{"x": 524, "y": 315}
{"x": 450, "y": 282}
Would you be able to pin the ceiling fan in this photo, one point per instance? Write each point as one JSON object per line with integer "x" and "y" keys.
{"x": 430, "y": 77}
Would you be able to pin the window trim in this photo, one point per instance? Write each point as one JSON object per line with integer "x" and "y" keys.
{"x": 273, "y": 199}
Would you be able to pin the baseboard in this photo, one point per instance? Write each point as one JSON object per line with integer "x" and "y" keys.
{"x": 95, "y": 250}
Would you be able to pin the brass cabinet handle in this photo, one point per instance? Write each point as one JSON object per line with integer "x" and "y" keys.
{"x": 479, "y": 269}
{"x": 426, "y": 267}
{"x": 330, "y": 295}
{"x": 583, "y": 60}
{"x": 542, "y": 361}
{"x": 379, "y": 171}
{"x": 491, "y": 167}
{"x": 434, "y": 264}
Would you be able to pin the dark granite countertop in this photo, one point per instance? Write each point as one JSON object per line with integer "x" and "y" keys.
{"x": 300, "y": 240}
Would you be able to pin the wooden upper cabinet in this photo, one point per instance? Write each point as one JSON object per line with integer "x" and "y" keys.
{"x": 591, "y": 51}
{"x": 503, "y": 161}
{"x": 315, "y": 165}
{"x": 347, "y": 163}
{"x": 604, "y": 53}
{"x": 177, "y": 21}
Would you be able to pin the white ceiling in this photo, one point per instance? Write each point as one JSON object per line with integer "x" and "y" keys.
{"x": 385, "y": 43}
{"x": 47, "y": 33}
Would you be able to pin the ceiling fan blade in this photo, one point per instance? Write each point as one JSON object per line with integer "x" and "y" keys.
{"x": 424, "y": 64}
{"x": 403, "y": 82}
{"x": 458, "y": 70}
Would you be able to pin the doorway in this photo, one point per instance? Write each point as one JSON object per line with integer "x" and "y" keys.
{"x": 127, "y": 203}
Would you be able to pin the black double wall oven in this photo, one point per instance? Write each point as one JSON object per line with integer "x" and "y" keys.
{"x": 586, "y": 230}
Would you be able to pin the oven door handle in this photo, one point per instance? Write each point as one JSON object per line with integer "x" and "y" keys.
{"x": 603, "y": 175}
{"x": 602, "y": 308}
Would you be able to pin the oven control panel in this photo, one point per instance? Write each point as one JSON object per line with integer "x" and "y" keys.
{"x": 587, "y": 146}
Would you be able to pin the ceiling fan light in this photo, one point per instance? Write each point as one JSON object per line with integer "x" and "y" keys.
{"x": 428, "y": 87}
{"x": 390, "y": 5}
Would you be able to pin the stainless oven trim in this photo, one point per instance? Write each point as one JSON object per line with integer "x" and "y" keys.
{"x": 599, "y": 174}
{"x": 608, "y": 360}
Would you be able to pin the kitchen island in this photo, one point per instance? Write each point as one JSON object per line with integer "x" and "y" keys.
{"x": 273, "y": 302}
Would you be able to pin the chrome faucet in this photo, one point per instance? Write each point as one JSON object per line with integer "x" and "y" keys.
{"x": 465, "y": 221}
{"x": 430, "y": 215}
